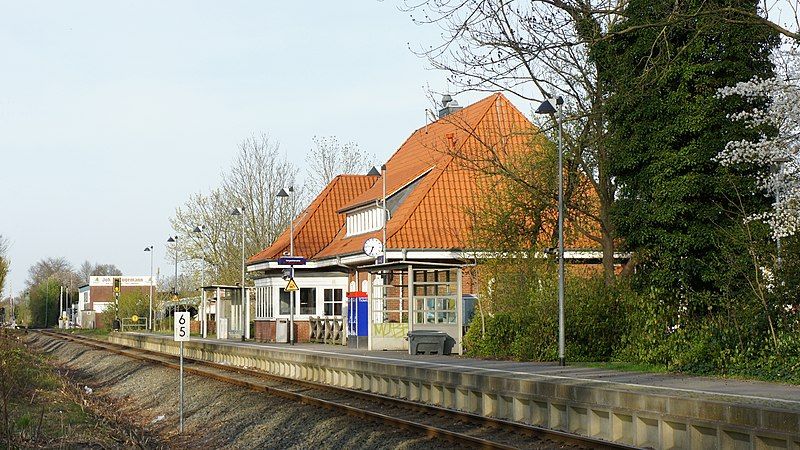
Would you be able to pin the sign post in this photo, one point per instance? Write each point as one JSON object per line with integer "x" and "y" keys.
{"x": 291, "y": 287}
{"x": 181, "y": 335}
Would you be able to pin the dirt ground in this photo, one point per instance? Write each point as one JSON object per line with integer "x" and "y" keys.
{"x": 216, "y": 414}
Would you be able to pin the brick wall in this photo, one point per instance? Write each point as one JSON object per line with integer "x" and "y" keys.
{"x": 265, "y": 331}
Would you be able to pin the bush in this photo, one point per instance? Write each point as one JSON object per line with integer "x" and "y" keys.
{"x": 596, "y": 320}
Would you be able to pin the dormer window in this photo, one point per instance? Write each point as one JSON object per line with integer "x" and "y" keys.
{"x": 364, "y": 220}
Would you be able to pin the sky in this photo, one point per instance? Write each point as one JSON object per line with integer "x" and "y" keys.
{"x": 113, "y": 112}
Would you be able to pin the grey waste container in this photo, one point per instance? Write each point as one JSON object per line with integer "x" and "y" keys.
{"x": 425, "y": 342}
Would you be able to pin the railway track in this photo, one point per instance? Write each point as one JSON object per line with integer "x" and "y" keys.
{"x": 457, "y": 426}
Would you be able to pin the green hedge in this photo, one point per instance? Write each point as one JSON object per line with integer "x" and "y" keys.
{"x": 731, "y": 336}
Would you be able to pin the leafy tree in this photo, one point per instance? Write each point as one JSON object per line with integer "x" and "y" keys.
{"x": 774, "y": 104}
{"x": 539, "y": 48}
{"x": 666, "y": 126}
{"x": 43, "y": 302}
{"x": 131, "y": 303}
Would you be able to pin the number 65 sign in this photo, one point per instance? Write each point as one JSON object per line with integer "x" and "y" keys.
{"x": 181, "y": 326}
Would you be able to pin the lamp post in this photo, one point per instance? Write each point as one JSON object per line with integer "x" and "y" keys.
{"x": 285, "y": 195}
{"x": 203, "y": 318}
{"x": 240, "y": 212}
{"x": 174, "y": 240}
{"x": 547, "y": 108}
{"x": 149, "y": 249}
{"x": 383, "y": 207}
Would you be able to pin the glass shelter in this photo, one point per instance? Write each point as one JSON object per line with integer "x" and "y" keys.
{"x": 406, "y": 296}
{"x": 222, "y": 305}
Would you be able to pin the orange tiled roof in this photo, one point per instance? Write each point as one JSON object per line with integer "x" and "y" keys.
{"x": 434, "y": 215}
{"x": 319, "y": 223}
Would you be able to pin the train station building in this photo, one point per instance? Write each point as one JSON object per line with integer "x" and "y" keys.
{"x": 400, "y": 267}
{"x": 95, "y": 297}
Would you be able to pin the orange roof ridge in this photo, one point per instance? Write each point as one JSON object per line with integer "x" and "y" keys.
{"x": 449, "y": 161}
{"x": 482, "y": 106}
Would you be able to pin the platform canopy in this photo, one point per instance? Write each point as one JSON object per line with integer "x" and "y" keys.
{"x": 407, "y": 296}
{"x": 405, "y": 264}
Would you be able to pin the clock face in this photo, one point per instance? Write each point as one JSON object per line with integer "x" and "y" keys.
{"x": 373, "y": 247}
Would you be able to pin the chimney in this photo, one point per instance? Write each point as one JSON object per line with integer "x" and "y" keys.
{"x": 449, "y": 106}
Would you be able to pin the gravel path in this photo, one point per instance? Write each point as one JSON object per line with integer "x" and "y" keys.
{"x": 216, "y": 414}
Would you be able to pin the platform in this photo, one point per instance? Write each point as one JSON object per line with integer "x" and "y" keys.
{"x": 640, "y": 409}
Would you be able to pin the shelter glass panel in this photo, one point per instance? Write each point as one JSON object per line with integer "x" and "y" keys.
{"x": 435, "y": 293}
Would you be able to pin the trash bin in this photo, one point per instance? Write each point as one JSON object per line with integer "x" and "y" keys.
{"x": 282, "y": 331}
{"x": 427, "y": 342}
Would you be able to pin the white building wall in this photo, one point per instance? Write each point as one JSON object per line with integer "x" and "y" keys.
{"x": 273, "y": 286}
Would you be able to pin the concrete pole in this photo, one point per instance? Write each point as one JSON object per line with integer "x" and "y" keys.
{"x": 244, "y": 316}
{"x": 561, "y": 343}
{"x": 383, "y": 208}
{"x": 292, "y": 296}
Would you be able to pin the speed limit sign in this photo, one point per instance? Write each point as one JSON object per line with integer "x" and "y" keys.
{"x": 181, "y": 326}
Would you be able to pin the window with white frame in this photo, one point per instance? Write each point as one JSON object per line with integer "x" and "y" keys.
{"x": 308, "y": 300}
{"x": 364, "y": 221}
{"x": 264, "y": 302}
{"x": 333, "y": 302}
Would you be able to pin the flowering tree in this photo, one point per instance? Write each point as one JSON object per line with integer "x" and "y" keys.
{"x": 776, "y": 107}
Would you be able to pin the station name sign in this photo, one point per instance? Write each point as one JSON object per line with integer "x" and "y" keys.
{"x": 292, "y": 261}
{"x": 125, "y": 281}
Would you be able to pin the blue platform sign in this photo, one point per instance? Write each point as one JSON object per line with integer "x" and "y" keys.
{"x": 292, "y": 261}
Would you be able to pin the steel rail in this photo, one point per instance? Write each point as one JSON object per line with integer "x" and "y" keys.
{"x": 431, "y": 431}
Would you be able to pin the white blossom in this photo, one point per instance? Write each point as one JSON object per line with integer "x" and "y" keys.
{"x": 775, "y": 105}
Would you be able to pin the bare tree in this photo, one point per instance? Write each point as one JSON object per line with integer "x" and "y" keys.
{"x": 88, "y": 269}
{"x": 58, "y": 268}
{"x": 257, "y": 174}
{"x": 540, "y": 49}
{"x": 5, "y": 264}
{"x": 329, "y": 158}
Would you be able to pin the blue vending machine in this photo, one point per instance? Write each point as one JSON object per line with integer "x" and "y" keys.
{"x": 357, "y": 320}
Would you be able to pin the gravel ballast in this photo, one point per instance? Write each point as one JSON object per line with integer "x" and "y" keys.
{"x": 217, "y": 414}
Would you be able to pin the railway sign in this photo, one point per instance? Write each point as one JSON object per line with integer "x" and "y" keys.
{"x": 181, "y": 335}
{"x": 181, "y": 326}
{"x": 291, "y": 286}
{"x": 292, "y": 261}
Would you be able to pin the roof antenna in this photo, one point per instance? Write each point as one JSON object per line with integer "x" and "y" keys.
{"x": 429, "y": 117}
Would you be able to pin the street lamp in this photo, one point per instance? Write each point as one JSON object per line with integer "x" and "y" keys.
{"x": 383, "y": 207}
{"x": 150, "y": 314}
{"x": 174, "y": 240}
{"x": 204, "y": 316}
{"x": 240, "y": 212}
{"x": 283, "y": 195}
{"x": 547, "y": 108}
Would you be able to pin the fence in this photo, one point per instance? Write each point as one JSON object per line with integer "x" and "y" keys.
{"x": 327, "y": 330}
{"x": 128, "y": 324}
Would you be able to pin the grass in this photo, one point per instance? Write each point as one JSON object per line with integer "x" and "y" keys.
{"x": 44, "y": 408}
